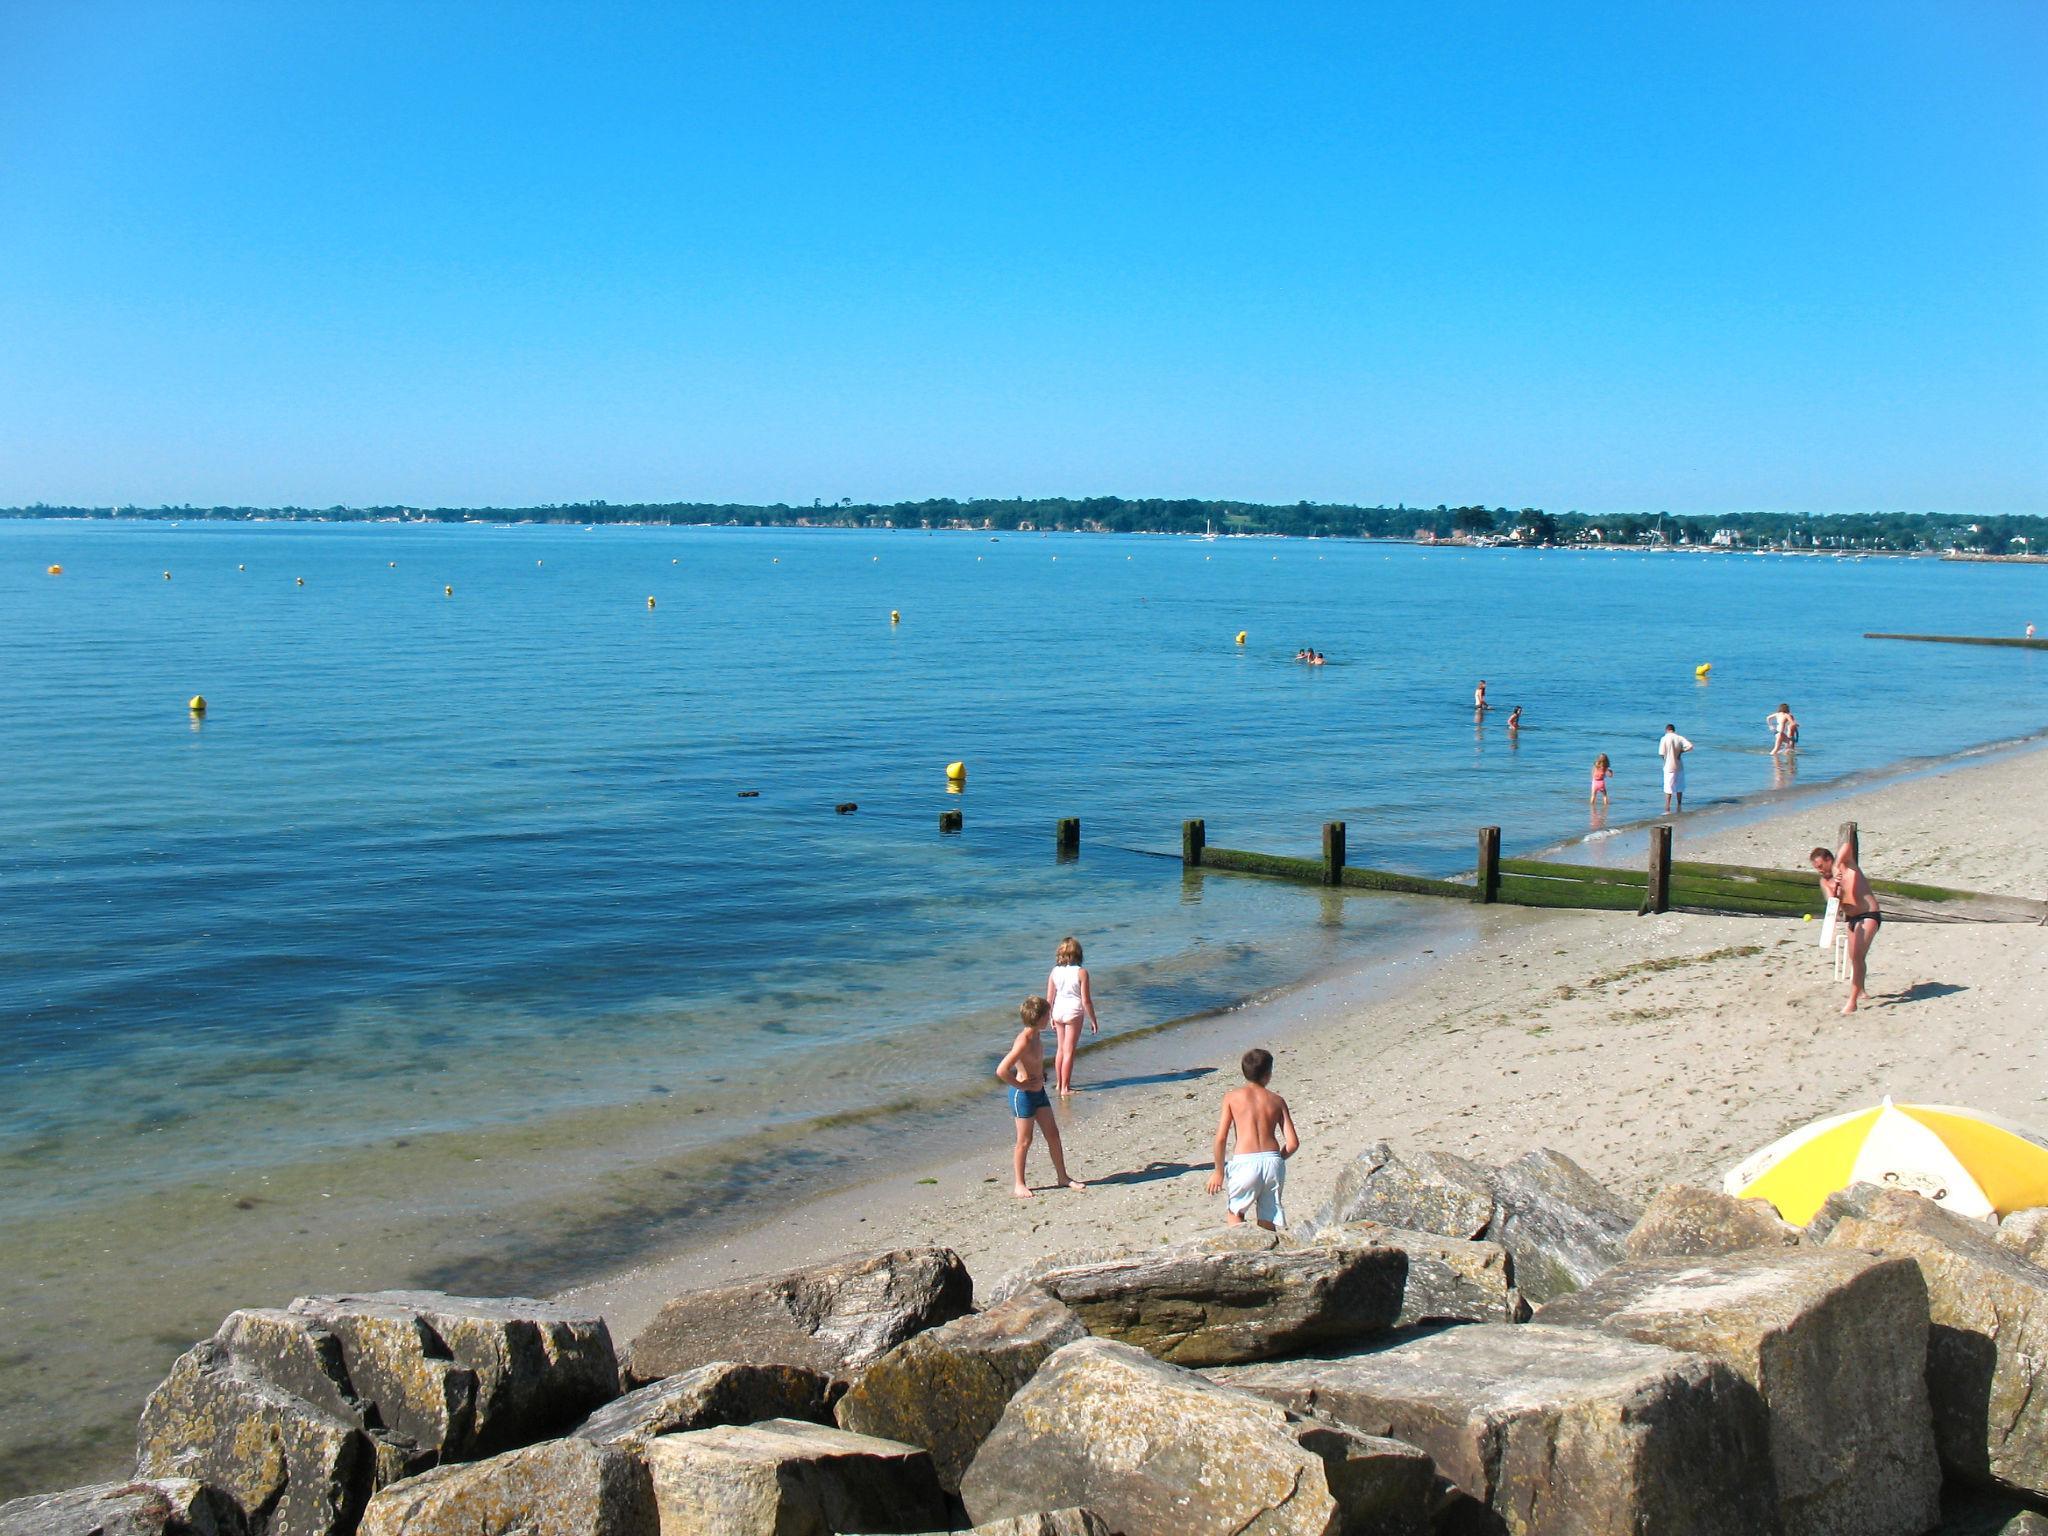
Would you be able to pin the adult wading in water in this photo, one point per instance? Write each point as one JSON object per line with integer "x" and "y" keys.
{"x": 1841, "y": 879}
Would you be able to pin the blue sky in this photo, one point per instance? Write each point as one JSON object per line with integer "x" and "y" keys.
{"x": 1607, "y": 257}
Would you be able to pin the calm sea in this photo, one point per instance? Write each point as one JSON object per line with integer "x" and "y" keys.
{"x": 448, "y": 931}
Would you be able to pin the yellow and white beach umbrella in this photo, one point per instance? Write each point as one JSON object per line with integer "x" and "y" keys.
{"x": 1973, "y": 1163}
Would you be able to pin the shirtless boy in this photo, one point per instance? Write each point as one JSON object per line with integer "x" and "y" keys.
{"x": 1257, "y": 1170}
{"x": 1023, "y": 1073}
{"x": 1841, "y": 879}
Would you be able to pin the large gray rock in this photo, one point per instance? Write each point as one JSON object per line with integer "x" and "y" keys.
{"x": 835, "y": 1317}
{"x": 1444, "y": 1279}
{"x": 1563, "y": 1226}
{"x": 556, "y": 1488}
{"x": 724, "y": 1393}
{"x": 1686, "y": 1221}
{"x": 2026, "y": 1234}
{"x": 1243, "y": 1294}
{"x": 1158, "y": 1451}
{"x": 1988, "y": 1349}
{"x": 292, "y": 1466}
{"x": 1555, "y": 1431}
{"x": 1970, "y": 1511}
{"x": 787, "y": 1478}
{"x": 1834, "y": 1342}
{"x": 1057, "y": 1522}
{"x": 1425, "y": 1191}
{"x": 172, "y": 1506}
{"x": 944, "y": 1389}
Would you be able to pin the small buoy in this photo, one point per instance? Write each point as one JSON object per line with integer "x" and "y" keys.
{"x": 447, "y": 591}
{"x": 197, "y": 704}
{"x": 1240, "y": 636}
{"x": 538, "y": 564}
{"x": 846, "y": 807}
{"x": 391, "y": 565}
{"x": 1703, "y": 669}
{"x": 167, "y": 575}
{"x": 241, "y": 567}
{"x": 56, "y": 570}
{"x": 776, "y": 561}
{"x": 876, "y": 558}
{"x": 957, "y": 772}
{"x": 895, "y": 617}
{"x": 675, "y": 562}
{"x": 301, "y": 581}
{"x": 650, "y": 602}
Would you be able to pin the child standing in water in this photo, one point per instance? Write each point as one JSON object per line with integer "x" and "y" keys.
{"x": 1602, "y": 773}
{"x": 1023, "y": 1073}
{"x": 1066, "y": 989}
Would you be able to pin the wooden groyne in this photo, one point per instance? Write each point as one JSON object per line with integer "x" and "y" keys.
{"x": 2015, "y": 642}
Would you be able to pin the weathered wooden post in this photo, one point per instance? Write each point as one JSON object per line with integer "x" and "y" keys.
{"x": 949, "y": 821}
{"x": 1658, "y": 897}
{"x": 1333, "y": 853}
{"x": 1489, "y": 865}
{"x": 1067, "y": 836}
{"x": 1847, "y": 836}
{"x": 1193, "y": 834}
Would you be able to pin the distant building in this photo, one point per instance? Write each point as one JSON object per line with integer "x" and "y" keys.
{"x": 1726, "y": 538}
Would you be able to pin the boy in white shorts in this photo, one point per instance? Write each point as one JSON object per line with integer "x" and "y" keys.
{"x": 1257, "y": 1171}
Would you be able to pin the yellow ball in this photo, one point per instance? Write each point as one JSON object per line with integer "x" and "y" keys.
{"x": 56, "y": 570}
{"x": 957, "y": 772}
{"x": 197, "y": 704}
{"x": 1806, "y": 917}
{"x": 1240, "y": 636}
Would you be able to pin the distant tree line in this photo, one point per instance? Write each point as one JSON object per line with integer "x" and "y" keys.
{"x": 1903, "y": 531}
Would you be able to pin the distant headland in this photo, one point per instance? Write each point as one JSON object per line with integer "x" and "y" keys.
{"x": 2016, "y": 536}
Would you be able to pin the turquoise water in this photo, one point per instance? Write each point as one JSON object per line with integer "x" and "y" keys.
{"x": 470, "y": 876}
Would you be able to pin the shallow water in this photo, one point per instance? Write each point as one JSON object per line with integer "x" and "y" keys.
{"x": 448, "y": 918}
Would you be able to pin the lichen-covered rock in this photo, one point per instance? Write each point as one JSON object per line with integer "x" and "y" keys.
{"x": 1988, "y": 1351}
{"x": 1834, "y": 1341}
{"x": 722, "y": 1393}
{"x": 1555, "y": 1431}
{"x": 1056, "y": 1522}
{"x": 1425, "y": 1191}
{"x": 1155, "y": 1450}
{"x": 1243, "y": 1294}
{"x": 2026, "y": 1234}
{"x": 1686, "y": 1221}
{"x": 293, "y": 1467}
{"x": 464, "y": 1377}
{"x": 171, "y": 1506}
{"x": 1445, "y": 1279}
{"x": 556, "y": 1488}
{"x": 944, "y": 1389}
{"x": 787, "y": 1478}
{"x": 835, "y": 1317}
{"x": 1563, "y": 1226}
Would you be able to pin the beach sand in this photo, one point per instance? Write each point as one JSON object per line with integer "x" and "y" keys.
{"x": 1650, "y": 1049}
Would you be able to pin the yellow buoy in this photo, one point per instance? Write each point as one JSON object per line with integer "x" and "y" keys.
{"x": 197, "y": 704}
{"x": 956, "y": 773}
{"x": 1240, "y": 637}
{"x": 1703, "y": 669}
{"x": 650, "y": 602}
{"x": 56, "y": 570}
{"x": 895, "y": 617}
{"x": 447, "y": 591}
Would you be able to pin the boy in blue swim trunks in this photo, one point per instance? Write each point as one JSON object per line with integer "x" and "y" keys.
{"x": 1023, "y": 1073}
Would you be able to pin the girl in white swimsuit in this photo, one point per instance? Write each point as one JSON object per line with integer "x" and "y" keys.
{"x": 1068, "y": 992}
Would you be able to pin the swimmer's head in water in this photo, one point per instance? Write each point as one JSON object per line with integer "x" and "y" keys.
{"x": 1069, "y": 952}
{"x": 1257, "y": 1065}
{"x": 1033, "y": 1010}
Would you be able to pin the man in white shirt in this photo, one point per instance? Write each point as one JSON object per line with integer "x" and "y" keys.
{"x": 1672, "y": 748}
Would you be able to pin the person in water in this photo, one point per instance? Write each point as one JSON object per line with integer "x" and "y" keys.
{"x": 1603, "y": 774}
{"x": 1515, "y": 718}
{"x": 1672, "y": 747}
{"x": 1479, "y": 704}
{"x": 1842, "y": 879}
{"x": 1070, "y": 997}
{"x": 1023, "y": 1073}
{"x": 1784, "y": 729}
{"x": 1257, "y": 1171}
{"x": 1315, "y": 658}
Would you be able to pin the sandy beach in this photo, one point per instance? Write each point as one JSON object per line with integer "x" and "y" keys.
{"x": 1650, "y": 1049}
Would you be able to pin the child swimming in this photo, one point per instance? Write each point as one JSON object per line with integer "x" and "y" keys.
{"x": 1067, "y": 990}
{"x": 1023, "y": 1073}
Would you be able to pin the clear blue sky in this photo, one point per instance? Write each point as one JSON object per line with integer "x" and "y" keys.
{"x": 1634, "y": 256}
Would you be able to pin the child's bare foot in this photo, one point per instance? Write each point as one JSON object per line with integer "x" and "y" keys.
{"x": 1071, "y": 1184}
{"x": 1023, "y": 1192}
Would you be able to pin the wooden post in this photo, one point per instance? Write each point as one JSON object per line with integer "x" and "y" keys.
{"x": 1193, "y": 835}
{"x": 1657, "y": 898}
{"x": 1489, "y": 865}
{"x": 949, "y": 821}
{"x": 1333, "y": 853}
{"x": 1848, "y": 835}
{"x": 1067, "y": 836}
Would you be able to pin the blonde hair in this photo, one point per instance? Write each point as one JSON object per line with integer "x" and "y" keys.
{"x": 1069, "y": 952}
{"x": 1600, "y": 761}
{"x": 1033, "y": 1011}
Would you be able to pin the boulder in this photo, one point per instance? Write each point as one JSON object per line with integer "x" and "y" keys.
{"x": 1554, "y": 1431}
{"x": 292, "y": 1466}
{"x": 1446, "y": 1279}
{"x": 171, "y": 1506}
{"x": 724, "y": 1393}
{"x": 1686, "y": 1221}
{"x": 1243, "y": 1294}
{"x": 556, "y": 1488}
{"x": 789, "y": 1478}
{"x": 1988, "y": 1347}
{"x": 1562, "y": 1225}
{"x": 836, "y": 1317}
{"x": 2026, "y": 1234}
{"x": 1967, "y": 1511}
{"x": 1057, "y": 1522}
{"x": 944, "y": 1389}
{"x": 1436, "y": 1192}
{"x": 1155, "y": 1450}
{"x": 1833, "y": 1341}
